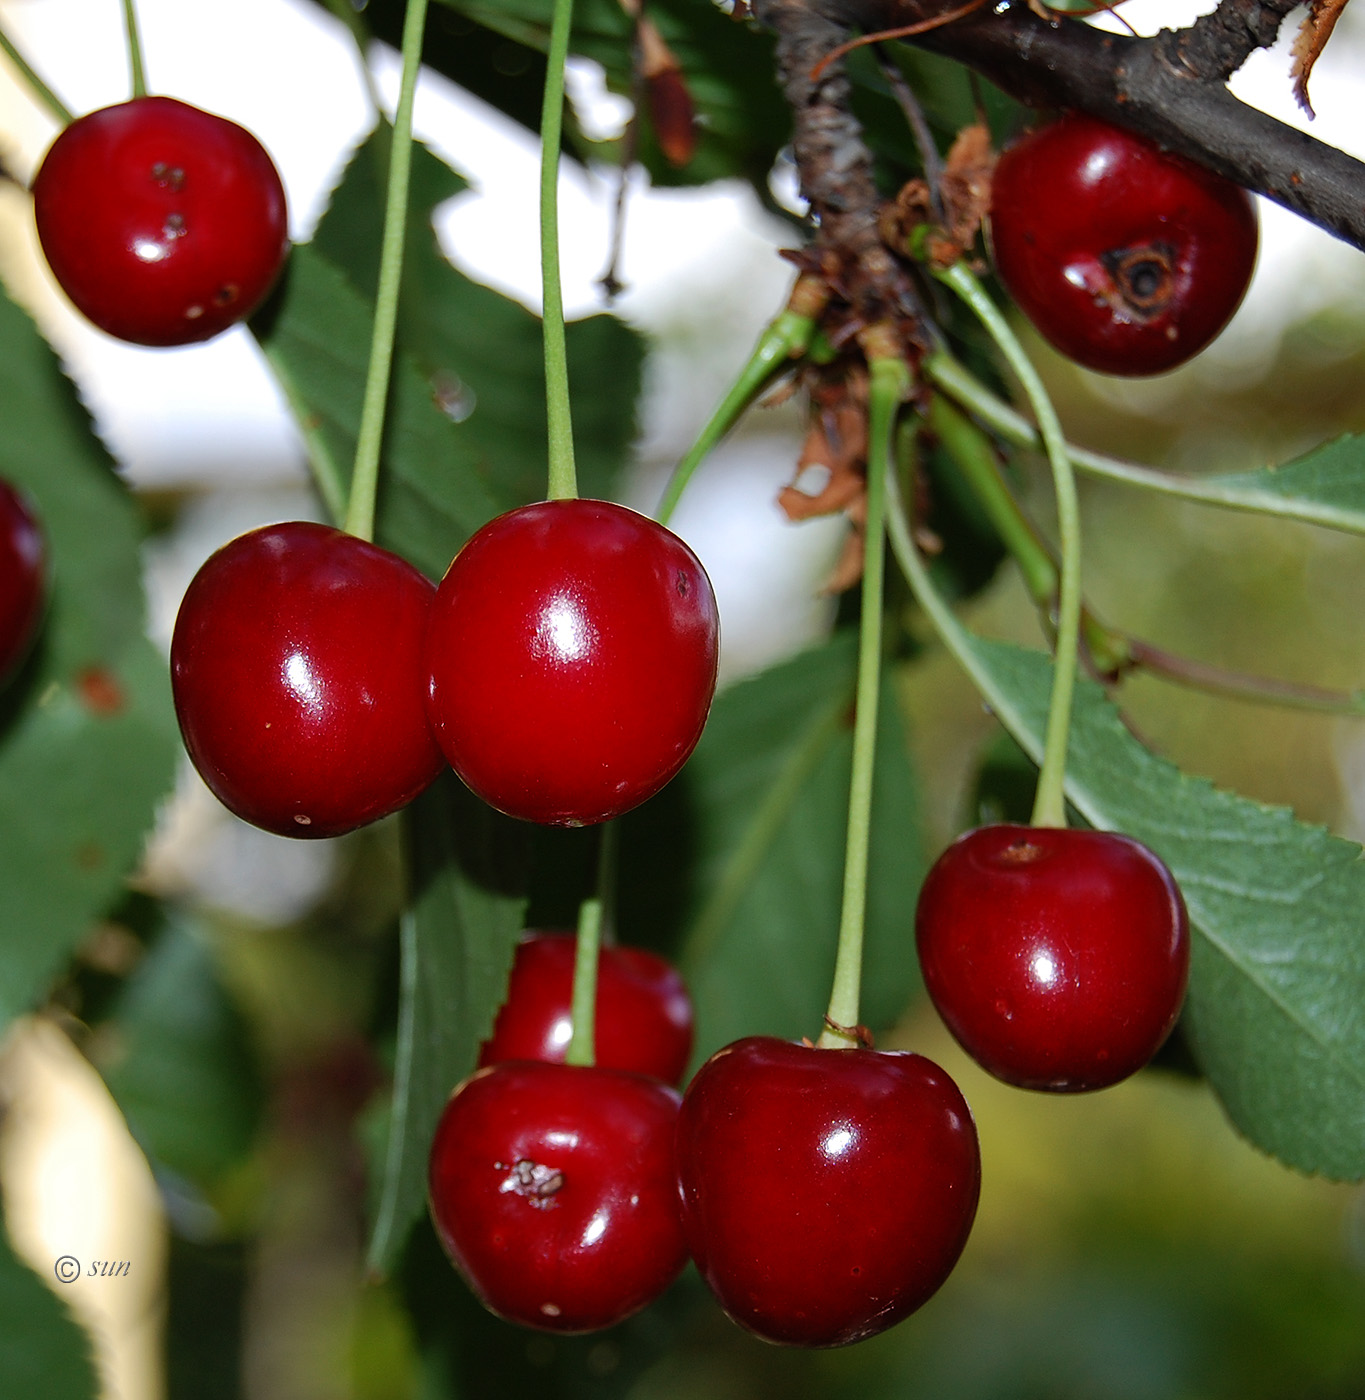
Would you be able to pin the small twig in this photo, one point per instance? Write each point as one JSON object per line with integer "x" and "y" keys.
{"x": 930, "y": 159}
{"x": 36, "y": 85}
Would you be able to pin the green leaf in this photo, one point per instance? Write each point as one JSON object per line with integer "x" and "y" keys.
{"x": 42, "y": 1349}
{"x": 745, "y": 852}
{"x": 431, "y": 496}
{"x": 458, "y": 938}
{"x": 1325, "y": 486}
{"x": 459, "y": 342}
{"x": 87, "y": 732}
{"x": 727, "y": 65}
{"x": 1276, "y": 1006}
{"x": 183, "y": 1071}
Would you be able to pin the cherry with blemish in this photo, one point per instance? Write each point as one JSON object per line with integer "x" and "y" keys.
{"x": 163, "y": 224}
{"x": 554, "y": 1190}
{"x": 1128, "y": 258}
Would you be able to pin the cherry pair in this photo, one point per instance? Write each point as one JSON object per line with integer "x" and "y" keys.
{"x": 553, "y": 1187}
{"x": 564, "y": 668}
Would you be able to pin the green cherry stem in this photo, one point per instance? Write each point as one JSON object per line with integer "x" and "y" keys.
{"x": 359, "y": 31}
{"x": 1112, "y": 653}
{"x": 888, "y": 385}
{"x": 1245, "y": 491}
{"x": 1049, "y": 805}
{"x": 136, "y": 67}
{"x": 974, "y": 456}
{"x": 785, "y": 338}
{"x": 581, "y": 1049}
{"x": 563, "y": 475}
{"x": 369, "y": 439}
{"x": 36, "y": 85}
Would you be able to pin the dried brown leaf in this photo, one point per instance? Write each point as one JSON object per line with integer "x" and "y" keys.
{"x": 1309, "y": 42}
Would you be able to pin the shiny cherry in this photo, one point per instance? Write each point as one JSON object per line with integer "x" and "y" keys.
{"x": 572, "y": 655}
{"x": 1058, "y": 958}
{"x": 1127, "y": 258}
{"x": 23, "y": 565}
{"x": 296, "y": 667}
{"x": 644, "y": 1015}
{"x": 163, "y": 224}
{"x": 826, "y": 1193}
{"x": 554, "y": 1190}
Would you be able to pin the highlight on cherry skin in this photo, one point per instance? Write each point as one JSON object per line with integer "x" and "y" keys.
{"x": 163, "y": 224}
{"x": 572, "y": 659}
{"x": 296, "y": 669}
{"x": 23, "y": 582}
{"x": 553, "y": 1189}
{"x": 1127, "y": 258}
{"x": 1058, "y": 958}
{"x": 644, "y": 1014}
{"x": 826, "y": 1194}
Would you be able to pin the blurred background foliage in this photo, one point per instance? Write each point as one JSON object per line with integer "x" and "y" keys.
{"x": 1129, "y": 1244}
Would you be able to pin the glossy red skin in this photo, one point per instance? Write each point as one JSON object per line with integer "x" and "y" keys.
{"x": 23, "y": 588}
{"x": 572, "y": 654}
{"x": 145, "y": 256}
{"x": 1058, "y": 958}
{"x": 644, "y": 1015}
{"x": 296, "y": 667}
{"x": 826, "y": 1193}
{"x": 1070, "y": 192}
{"x": 600, "y": 1240}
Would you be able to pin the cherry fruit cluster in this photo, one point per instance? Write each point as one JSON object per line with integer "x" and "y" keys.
{"x": 570, "y": 1197}
{"x": 564, "y": 667}
{"x": 824, "y": 1194}
{"x": 1127, "y": 258}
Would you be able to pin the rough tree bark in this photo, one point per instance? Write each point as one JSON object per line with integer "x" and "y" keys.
{"x": 1170, "y": 87}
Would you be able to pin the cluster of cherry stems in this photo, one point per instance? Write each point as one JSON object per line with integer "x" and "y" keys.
{"x": 564, "y": 668}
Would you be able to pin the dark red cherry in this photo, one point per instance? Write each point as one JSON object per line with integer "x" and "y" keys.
{"x": 826, "y": 1193}
{"x": 296, "y": 667}
{"x": 554, "y": 1190}
{"x": 164, "y": 224}
{"x": 572, "y": 656}
{"x": 1127, "y": 258}
{"x": 1058, "y": 958}
{"x": 23, "y": 563}
{"x": 644, "y": 1015}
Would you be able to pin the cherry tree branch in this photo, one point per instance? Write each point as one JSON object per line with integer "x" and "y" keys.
{"x": 1170, "y": 87}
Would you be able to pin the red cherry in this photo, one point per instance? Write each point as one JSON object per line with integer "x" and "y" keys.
{"x": 1058, "y": 958}
{"x": 554, "y": 1190}
{"x": 572, "y": 656}
{"x": 23, "y": 560}
{"x": 826, "y": 1193}
{"x": 1127, "y": 258}
{"x": 644, "y": 1015}
{"x": 296, "y": 667}
{"x": 164, "y": 224}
